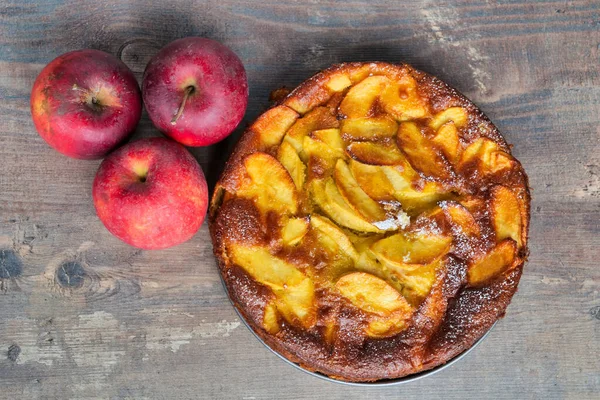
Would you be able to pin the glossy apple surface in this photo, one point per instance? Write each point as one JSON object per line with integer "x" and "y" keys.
{"x": 195, "y": 91}
{"x": 151, "y": 193}
{"x": 84, "y": 103}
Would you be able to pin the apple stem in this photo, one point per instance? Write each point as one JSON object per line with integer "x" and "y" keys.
{"x": 188, "y": 90}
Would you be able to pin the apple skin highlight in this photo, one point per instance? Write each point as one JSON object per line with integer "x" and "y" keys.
{"x": 85, "y": 102}
{"x": 151, "y": 193}
{"x": 195, "y": 91}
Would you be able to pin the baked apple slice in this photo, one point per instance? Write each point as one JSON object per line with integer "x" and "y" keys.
{"x": 461, "y": 218}
{"x": 446, "y": 124}
{"x": 417, "y": 283}
{"x": 355, "y": 196}
{"x": 297, "y": 303}
{"x": 485, "y": 156}
{"x": 273, "y": 124}
{"x": 321, "y": 157}
{"x": 375, "y": 153}
{"x": 400, "y": 98}
{"x": 493, "y": 263}
{"x": 294, "y": 230}
{"x": 420, "y": 152}
{"x": 270, "y": 318}
{"x": 414, "y": 201}
{"x": 372, "y": 180}
{"x": 338, "y": 82}
{"x": 288, "y": 157}
{"x": 407, "y": 252}
{"x": 368, "y": 128}
{"x": 389, "y": 312}
{"x": 331, "y": 137}
{"x": 506, "y": 214}
{"x": 293, "y": 290}
{"x": 361, "y": 97}
{"x": 447, "y": 140}
{"x": 318, "y": 118}
{"x": 458, "y": 116}
{"x": 342, "y": 243}
{"x": 269, "y": 184}
{"x": 327, "y": 196}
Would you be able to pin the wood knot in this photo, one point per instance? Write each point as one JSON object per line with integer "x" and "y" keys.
{"x": 13, "y": 352}
{"x": 70, "y": 274}
{"x": 595, "y": 312}
{"x": 11, "y": 265}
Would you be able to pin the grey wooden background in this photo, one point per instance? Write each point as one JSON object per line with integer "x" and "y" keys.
{"x": 83, "y": 315}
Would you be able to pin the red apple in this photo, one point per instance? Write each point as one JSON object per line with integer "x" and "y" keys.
{"x": 195, "y": 91}
{"x": 151, "y": 193}
{"x": 84, "y": 103}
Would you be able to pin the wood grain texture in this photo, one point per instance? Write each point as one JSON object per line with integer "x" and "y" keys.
{"x": 83, "y": 315}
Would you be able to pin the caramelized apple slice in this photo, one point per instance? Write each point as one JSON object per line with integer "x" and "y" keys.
{"x": 420, "y": 152}
{"x": 461, "y": 218}
{"x": 296, "y": 303}
{"x": 330, "y": 330}
{"x": 325, "y": 227}
{"x": 273, "y": 124}
{"x": 366, "y": 261}
{"x": 413, "y": 201}
{"x": 331, "y": 137}
{"x": 417, "y": 284}
{"x": 355, "y": 196}
{"x": 388, "y": 326}
{"x": 401, "y": 100}
{"x": 328, "y": 198}
{"x": 370, "y": 294}
{"x": 400, "y": 178}
{"x": 358, "y": 74}
{"x": 305, "y": 99}
{"x": 294, "y": 230}
{"x": 270, "y": 320}
{"x": 457, "y": 115}
{"x": 338, "y": 82}
{"x": 498, "y": 260}
{"x": 319, "y": 118}
{"x": 372, "y": 180}
{"x": 293, "y": 290}
{"x": 487, "y": 156}
{"x": 417, "y": 201}
{"x": 358, "y": 129}
{"x": 288, "y": 157}
{"x": 269, "y": 185}
{"x": 447, "y": 139}
{"x": 373, "y": 295}
{"x": 321, "y": 157}
{"x": 506, "y": 214}
{"x": 265, "y": 267}
{"x": 407, "y": 253}
{"x": 375, "y": 153}
{"x": 361, "y": 97}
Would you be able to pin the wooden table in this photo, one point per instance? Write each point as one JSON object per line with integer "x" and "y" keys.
{"x": 84, "y": 315}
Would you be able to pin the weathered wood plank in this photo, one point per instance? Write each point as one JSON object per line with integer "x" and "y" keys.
{"x": 84, "y": 315}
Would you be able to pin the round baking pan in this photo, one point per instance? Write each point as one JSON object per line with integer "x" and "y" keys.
{"x": 385, "y": 382}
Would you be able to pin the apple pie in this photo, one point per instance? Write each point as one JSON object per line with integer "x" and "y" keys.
{"x": 371, "y": 225}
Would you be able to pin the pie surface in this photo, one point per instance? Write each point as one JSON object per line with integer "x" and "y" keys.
{"x": 371, "y": 225}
